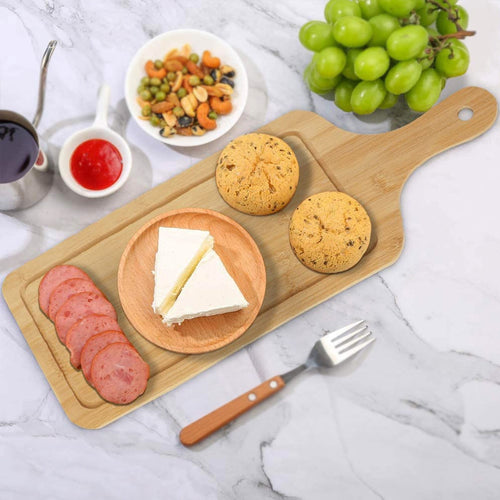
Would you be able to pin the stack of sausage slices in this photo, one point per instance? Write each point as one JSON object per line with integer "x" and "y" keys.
{"x": 86, "y": 324}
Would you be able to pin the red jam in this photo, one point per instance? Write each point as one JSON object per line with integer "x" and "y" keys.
{"x": 96, "y": 164}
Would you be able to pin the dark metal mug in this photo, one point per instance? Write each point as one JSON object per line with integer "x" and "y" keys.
{"x": 26, "y": 179}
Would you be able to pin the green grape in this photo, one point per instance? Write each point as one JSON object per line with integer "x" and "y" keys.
{"x": 383, "y": 25}
{"x": 370, "y": 8}
{"x": 330, "y": 62}
{"x": 426, "y": 91}
{"x": 426, "y": 60}
{"x": 427, "y": 15}
{"x": 419, "y": 4}
{"x": 343, "y": 93}
{"x": 322, "y": 83}
{"x": 458, "y": 43}
{"x": 453, "y": 61}
{"x": 351, "y": 31}
{"x": 403, "y": 76}
{"x": 367, "y": 97}
{"x": 445, "y": 26}
{"x": 316, "y": 90}
{"x": 372, "y": 63}
{"x": 335, "y": 9}
{"x": 316, "y": 35}
{"x": 349, "y": 65}
{"x": 407, "y": 43}
{"x": 398, "y": 8}
{"x": 389, "y": 101}
{"x": 307, "y": 79}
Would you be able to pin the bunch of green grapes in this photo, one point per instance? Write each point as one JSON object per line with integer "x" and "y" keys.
{"x": 372, "y": 51}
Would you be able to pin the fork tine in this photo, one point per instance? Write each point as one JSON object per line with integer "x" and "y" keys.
{"x": 339, "y": 342}
{"x": 342, "y": 331}
{"x": 358, "y": 338}
{"x": 351, "y": 352}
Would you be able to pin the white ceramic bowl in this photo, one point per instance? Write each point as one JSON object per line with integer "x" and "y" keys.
{"x": 199, "y": 41}
{"x": 99, "y": 130}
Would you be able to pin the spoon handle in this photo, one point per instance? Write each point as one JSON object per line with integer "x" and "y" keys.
{"x": 43, "y": 77}
{"x": 101, "y": 118}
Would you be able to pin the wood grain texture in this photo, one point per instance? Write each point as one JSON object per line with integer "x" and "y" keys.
{"x": 213, "y": 421}
{"x": 371, "y": 168}
{"x": 240, "y": 256}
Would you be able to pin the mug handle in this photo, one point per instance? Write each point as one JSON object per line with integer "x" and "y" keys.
{"x": 41, "y": 163}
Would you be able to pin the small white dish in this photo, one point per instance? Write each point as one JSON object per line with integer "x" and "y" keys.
{"x": 199, "y": 41}
{"x": 98, "y": 130}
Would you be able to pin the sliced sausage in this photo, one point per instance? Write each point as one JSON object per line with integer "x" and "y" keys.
{"x": 53, "y": 278}
{"x": 80, "y": 332}
{"x": 119, "y": 373}
{"x": 95, "y": 344}
{"x": 77, "y": 307}
{"x": 65, "y": 290}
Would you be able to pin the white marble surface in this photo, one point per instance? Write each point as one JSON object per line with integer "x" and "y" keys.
{"x": 419, "y": 417}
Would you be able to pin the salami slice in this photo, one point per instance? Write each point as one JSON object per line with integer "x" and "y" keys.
{"x": 65, "y": 290}
{"x": 53, "y": 278}
{"x": 80, "y": 332}
{"x": 119, "y": 373}
{"x": 77, "y": 307}
{"x": 95, "y": 344}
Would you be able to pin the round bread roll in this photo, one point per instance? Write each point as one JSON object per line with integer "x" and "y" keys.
{"x": 330, "y": 232}
{"x": 257, "y": 174}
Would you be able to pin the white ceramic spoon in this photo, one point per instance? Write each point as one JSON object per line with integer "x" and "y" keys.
{"x": 98, "y": 130}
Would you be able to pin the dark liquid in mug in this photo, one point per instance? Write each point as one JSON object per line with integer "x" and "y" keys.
{"x": 18, "y": 151}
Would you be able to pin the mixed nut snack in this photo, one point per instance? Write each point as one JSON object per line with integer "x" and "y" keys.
{"x": 183, "y": 95}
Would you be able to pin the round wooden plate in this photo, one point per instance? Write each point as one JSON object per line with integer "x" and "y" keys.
{"x": 238, "y": 252}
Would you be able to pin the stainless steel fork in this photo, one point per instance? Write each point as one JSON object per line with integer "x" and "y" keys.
{"x": 330, "y": 350}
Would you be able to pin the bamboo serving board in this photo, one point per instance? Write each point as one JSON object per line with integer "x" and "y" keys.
{"x": 371, "y": 168}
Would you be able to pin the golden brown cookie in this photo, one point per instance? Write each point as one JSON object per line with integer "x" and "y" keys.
{"x": 257, "y": 174}
{"x": 330, "y": 232}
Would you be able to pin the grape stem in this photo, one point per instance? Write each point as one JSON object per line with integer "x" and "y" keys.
{"x": 439, "y": 43}
{"x": 460, "y": 35}
{"x": 453, "y": 14}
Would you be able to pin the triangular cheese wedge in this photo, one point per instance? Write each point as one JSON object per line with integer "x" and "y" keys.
{"x": 179, "y": 252}
{"x": 210, "y": 290}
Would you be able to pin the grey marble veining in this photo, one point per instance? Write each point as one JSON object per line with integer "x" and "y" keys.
{"x": 417, "y": 417}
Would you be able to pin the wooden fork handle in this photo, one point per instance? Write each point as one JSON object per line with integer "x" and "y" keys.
{"x": 212, "y": 422}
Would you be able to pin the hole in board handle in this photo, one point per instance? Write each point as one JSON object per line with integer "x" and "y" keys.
{"x": 465, "y": 114}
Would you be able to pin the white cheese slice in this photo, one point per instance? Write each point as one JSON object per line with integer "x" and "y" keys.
{"x": 210, "y": 290}
{"x": 179, "y": 252}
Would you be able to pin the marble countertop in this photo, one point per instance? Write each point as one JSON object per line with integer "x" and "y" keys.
{"x": 418, "y": 418}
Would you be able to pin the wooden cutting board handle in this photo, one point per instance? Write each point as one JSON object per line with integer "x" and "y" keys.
{"x": 439, "y": 129}
{"x": 379, "y": 164}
